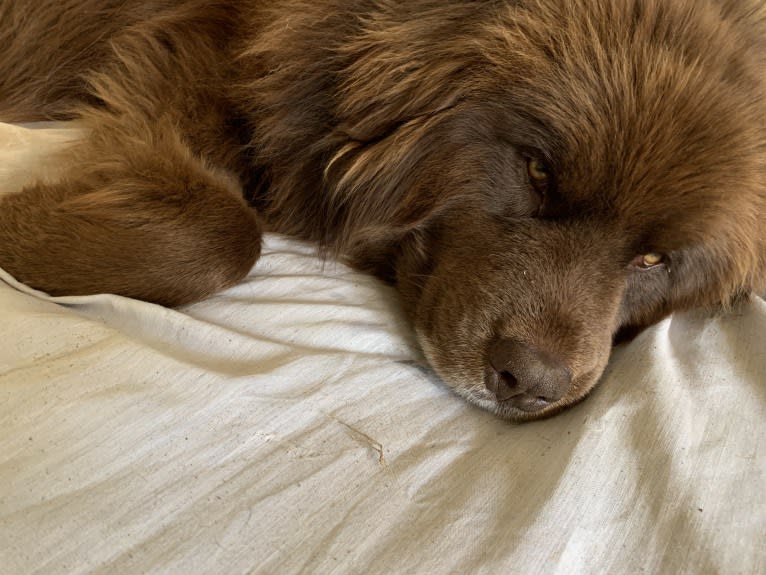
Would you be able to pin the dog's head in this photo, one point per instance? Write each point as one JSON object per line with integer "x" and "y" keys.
{"x": 540, "y": 177}
{"x": 583, "y": 170}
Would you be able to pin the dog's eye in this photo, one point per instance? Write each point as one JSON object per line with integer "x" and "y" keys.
{"x": 539, "y": 174}
{"x": 647, "y": 261}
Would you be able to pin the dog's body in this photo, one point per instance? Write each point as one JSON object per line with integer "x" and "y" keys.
{"x": 535, "y": 176}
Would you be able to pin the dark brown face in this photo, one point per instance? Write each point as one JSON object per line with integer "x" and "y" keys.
{"x": 518, "y": 316}
{"x": 584, "y": 195}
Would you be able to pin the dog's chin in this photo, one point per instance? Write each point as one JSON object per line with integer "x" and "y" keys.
{"x": 479, "y": 396}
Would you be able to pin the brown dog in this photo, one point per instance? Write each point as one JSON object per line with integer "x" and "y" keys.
{"x": 536, "y": 176}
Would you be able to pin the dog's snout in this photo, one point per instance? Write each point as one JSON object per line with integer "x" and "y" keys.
{"x": 527, "y": 378}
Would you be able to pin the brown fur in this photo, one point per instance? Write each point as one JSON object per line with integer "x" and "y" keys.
{"x": 396, "y": 134}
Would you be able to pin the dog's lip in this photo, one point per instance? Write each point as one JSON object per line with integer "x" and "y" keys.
{"x": 530, "y": 404}
{"x": 484, "y": 399}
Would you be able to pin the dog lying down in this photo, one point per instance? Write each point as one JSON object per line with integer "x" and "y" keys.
{"x": 536, "y": 177}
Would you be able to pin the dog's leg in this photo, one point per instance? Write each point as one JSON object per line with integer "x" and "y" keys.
{"x": 143, "y": 218}
{"x": 150, "y": 204}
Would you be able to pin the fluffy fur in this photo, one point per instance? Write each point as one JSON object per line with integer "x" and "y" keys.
{"x": 401, "y": 135}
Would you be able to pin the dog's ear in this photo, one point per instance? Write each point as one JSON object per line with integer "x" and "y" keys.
{"x": 388, "y": 186}
{"x": 364, "y": 112}
{"x": 393, "y": 109}
{"x": 392, "y": 73}
{"x": 374, "y": 101}
{"x": 397, "y": 110}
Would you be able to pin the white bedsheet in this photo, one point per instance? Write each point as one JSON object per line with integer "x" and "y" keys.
{"x": 288, "y": 425}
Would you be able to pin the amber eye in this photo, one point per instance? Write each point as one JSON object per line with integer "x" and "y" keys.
{"x": 538, "y": 171}
{"x": 647, "y": 261}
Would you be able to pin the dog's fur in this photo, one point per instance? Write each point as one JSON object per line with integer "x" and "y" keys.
{"x": 398, "y": 135}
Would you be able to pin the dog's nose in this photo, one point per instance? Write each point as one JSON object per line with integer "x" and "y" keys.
{"x": 527, "y": 378}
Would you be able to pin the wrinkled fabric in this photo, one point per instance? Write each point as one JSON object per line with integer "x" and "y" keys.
{"x": 290, "y": 425}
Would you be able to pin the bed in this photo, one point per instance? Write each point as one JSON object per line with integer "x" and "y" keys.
{"x": 291, "y": 425}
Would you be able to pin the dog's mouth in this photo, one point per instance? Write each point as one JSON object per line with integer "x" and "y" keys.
{"x": 529, "y": 382}
{"x": 498, "y": 396}
{"x": 519, "y": 385}
{"x": 535, "y": 411}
